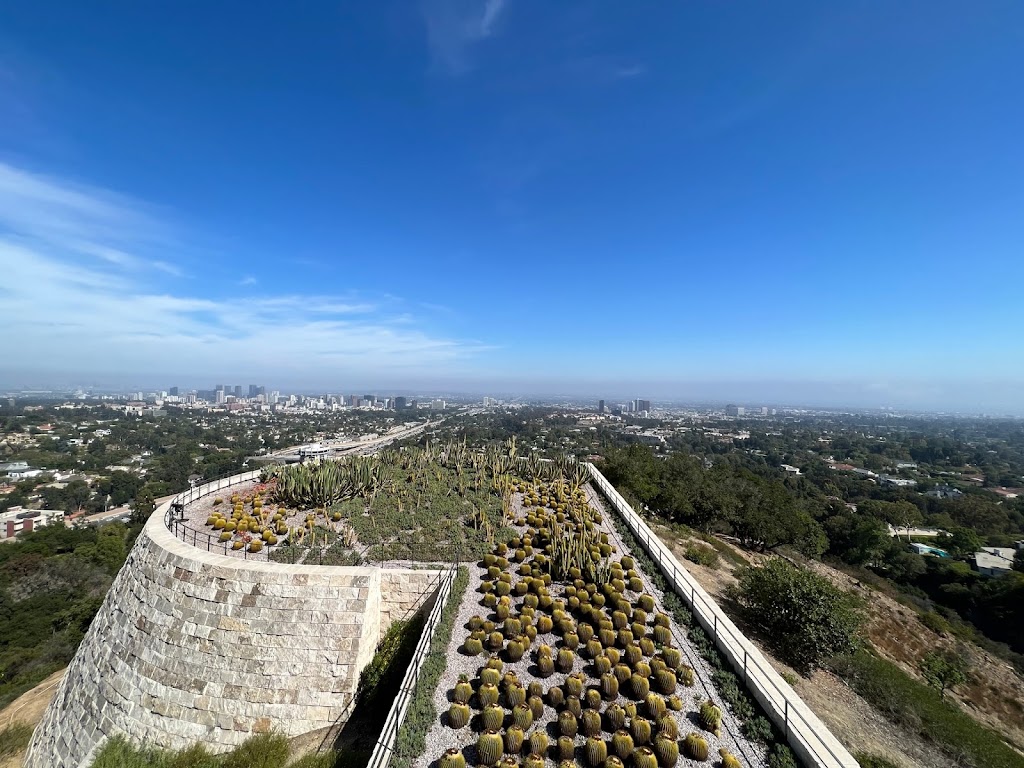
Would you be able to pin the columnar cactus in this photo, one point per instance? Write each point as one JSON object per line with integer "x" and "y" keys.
{"x": 514, "y": 738}
{"x": 602, "y": 664}
{"x": 667, "y": 751}
{"x": 458, "y": 715}
{"x": 592, "y": 698}
{"x": 662, "y": 635}
{"x": 633, "y": 654}
{"x": 490, "y": 676}
{"x": 453, "y": 758}
{"x": 492, "y": 717}
{"x": 566, "y": 658}
{"x": 515, "y": 694}
{"x": 668, "y": 727}
{"x": 673, "y": 657}
{"x": 515, "y": 650}
{"x": 644, "y": 757}
{"x": 571, "y": 640}
{"x": 574, "y": 685}
{"x": 574, "y": 705}
{"x": 622, "y": 672}
{"x": 696, "y": 747}
{"x": 545, "y": 666}
{"x": 596, "y": 751}
{"x": 489, "y": 747}
{"x": 647, "y": 646}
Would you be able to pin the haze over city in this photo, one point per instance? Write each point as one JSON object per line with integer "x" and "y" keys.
{"x": 804, "y": 203}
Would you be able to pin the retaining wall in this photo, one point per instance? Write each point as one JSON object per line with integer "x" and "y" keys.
{"x": 808, "y": 737}
{"x": 193, "y": 646}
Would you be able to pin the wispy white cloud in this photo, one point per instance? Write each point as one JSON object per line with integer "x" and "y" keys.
{"x": 454, "y": 27}
{"x": 80, "y": 292}
{"x": 630, "y": 71}
{"x": 248, "y": 280}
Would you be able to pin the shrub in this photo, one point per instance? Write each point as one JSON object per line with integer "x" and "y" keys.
{"x": 701, "y": 555}
{"x": 803, "y": 616}
{"x": 936, "y": 622}
{"x": 873, "y": 761}
{"x": 14, "y": 738}
{"x": 758, "y": 729}
{"x": 264, "y": 750}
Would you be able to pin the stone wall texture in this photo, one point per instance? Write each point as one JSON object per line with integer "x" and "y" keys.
{"x": 191, "y": 646}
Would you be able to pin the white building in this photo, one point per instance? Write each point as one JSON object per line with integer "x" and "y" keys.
{"x": 18, "y": 520}
{"x": 994, "y": 561}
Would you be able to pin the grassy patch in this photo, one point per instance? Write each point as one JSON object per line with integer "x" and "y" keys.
{"x": 265, "y": 750}
{"x": 14, "y": 739}
{"x": 917, "y": 707}
{"x": 701, "y": 555}
{"x": 411, "y": 740}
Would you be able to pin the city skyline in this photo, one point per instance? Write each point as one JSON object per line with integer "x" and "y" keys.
{"x": 819, "y": 206}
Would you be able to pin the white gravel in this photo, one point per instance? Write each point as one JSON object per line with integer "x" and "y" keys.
{"x": 441, "y": 737}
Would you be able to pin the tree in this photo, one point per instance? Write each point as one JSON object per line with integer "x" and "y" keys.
{"x": 857, "y": 539}
{"x": 944, "y": 670}
{"x": 960, "y": 541}
{"x": 1018, "y": 561}
{"x": 805, "y": 617}
{"x": 143, "y": 506}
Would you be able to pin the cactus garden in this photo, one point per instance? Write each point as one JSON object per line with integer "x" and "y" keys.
{"x": 563, "y": 654}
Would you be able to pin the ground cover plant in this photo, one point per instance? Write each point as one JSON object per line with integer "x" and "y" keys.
{"x": 568, "y": 658}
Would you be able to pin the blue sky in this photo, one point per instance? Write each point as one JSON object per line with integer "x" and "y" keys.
{"x": 795, "y": 201}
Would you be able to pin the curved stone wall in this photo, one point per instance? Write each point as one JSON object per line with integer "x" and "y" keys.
{"x": 193, "y": 646}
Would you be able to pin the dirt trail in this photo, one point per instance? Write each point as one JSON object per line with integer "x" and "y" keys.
{"x": 29, "y": 708}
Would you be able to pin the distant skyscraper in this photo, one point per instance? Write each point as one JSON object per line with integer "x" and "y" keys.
{"x": 252, "y": 390}
{"x": 220, "y": 387}
{"x": 174, "y": 391}
{"x": 220, "y": 394}
{"x": 261, "y": 391}
{"x": 238, "y": 390}
{"x": 401, "y": 403}
{"x": 643, "y": 405}
{"x": 370, "y": 399}
{"x": 735, "y": 410}
{"x": 600, "y": 406}
{"x": 355, "y": 400}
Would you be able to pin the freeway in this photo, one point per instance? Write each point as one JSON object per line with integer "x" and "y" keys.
{"x": 336, "y": 448}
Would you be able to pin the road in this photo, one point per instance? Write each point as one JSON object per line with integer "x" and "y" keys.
{"x": 339, "y": 448}
{"x": 115, "y": 512}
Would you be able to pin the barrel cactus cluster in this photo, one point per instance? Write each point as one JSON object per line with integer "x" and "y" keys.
{"x": 558, "y": 598}
{"x": 249, "y": 525}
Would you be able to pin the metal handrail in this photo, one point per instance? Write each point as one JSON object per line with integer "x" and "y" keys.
{"x": 386, "y": 742}
{"x": 721, "y": 628}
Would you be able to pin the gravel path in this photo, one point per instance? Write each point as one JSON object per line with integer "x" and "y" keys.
{"x": 441, "y": 737}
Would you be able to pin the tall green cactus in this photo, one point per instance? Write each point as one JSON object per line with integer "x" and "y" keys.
{"x": 596, "y": 751}
{"x": 489, "y": 747}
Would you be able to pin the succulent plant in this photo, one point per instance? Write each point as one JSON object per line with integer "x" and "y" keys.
{"x": 622, "y": 672}
{"x": 646, "y": 602}
{"x": 539, "y": 742}
{"x": 710, "y": 717}
{"x": 603, "y": 665}
{"x": 614, "y": 761}
{"x": 556, "y": 696}
{"x": 473, "y": 646}
{"x": 665, "y": 680}
{"x": 574, "y": 705}
{"x": 545, "y": 666}
{"x": 596, "y": 751}
{"x": 512, "y": 627}
{"x": 638, "y": 629}
{"x": 695, "y": 747}
{"x": 667, "y": 751}
{"x": 490, "y": 676}
{"x": 453, "y": 758}
{"x": 639, "y": 686}
{"x": 625, "y": 638}
{"x": 635, "y": 584}
{"x": 487, "y": 694}
{"x": 536, "y": 706}
{"x": 642, "y": 668}
{"x": 644, "y": 757}
{"x": 616, "y": 717}
{"x": 544, "y": 624}
{"x": 632, "y": 654}
{"x": 489, "y": 746}
{"x": 662, "y": 634}
{"x": 590, "y": 722}
{"x": 619, "y": 619}
{"x": 630, "y": 708}
{"x": 675, "y": 703}
{"x": 565, "y": 748}
{"x": 622, "y": 743}
{"x": 672, "y": 656}
{"x": 586, "y": 633}
{"x": 514, "y": 738}
{"x": 607, "y": 637}
{"x": 515, "y": 650}
{"x": 574, "y": 684}
{"x": 614, "y": 655}
{"x": 729, "y": 760}
{"x": 685, "y": 675}
{"x": 495, "y": 641}
{"x": 640, "y": 728}
{"x": 592, "y": 698}
{"x": 458, "y": 715}
{"x": 567, "y": 724}
{"x": 534, "y": 759}
{"x": 566, "y": 659}
{"x": 655, "y": 706}
{"x": 668, "y": 726}
{"x": 492, "y": 717}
